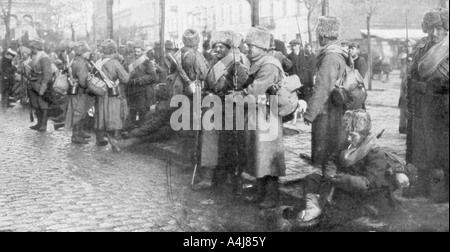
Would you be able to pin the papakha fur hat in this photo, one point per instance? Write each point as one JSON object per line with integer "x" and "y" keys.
{"x": 435, "y": 18}
{"x": 169, "y": 45}
{"x": 329, "y": 27}
{"x": 357, "y": 121}
{"x": 258, "y": 37}
{"x": 139, "y": 43}
{"x": 109, "y": 47}
{"x": 81, "y": 47}
{"x": 38, "y": 44}
{"x": 191, "y": 38}
{"x": 26, "y": 50}
{"x": 223, "y": 37}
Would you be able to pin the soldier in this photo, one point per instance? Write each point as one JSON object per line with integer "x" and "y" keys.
{"x": 278, "y": 54}
{"x": 156, "y": 126}
{"x": 265, "y": 157}
{"x": 323, "y": 112}
{"x": 428, "y": 96}
{"x": 24, "y": 70}
{"x": 110, "y": 110}
{"x": 7, "y": 72}
{"x": 405, "y": 60}
{"x": 78, "y": 105}
{"x": 191, "y": 61}
{"x": 223, "y": 151}
{"x": 139, "y": 89}
{"x": 41, "y": 75}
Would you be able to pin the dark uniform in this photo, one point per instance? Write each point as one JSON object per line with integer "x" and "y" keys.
{"x": 41, "y": 75}
{"x": 7, "y": 72}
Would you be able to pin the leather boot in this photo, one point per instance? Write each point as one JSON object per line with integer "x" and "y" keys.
{"x": 81, "y": 131}
{"x": 38, "y": 115}
{"x": 44, "y": 120}
{"x": 100, "y": 138}
{"x": 258, "y": 197}
{"x": 272, "y": 198}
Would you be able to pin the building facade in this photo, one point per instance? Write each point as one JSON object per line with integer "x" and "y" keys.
{"x": 27, "y": 16}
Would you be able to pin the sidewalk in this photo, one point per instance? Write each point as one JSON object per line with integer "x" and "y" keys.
{"x": 413, "y": 215}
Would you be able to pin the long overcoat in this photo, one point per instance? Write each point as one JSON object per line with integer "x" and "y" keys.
{"x": 79, "y": 105}
{"x": 111, "y": 112}
{"x": 265, "y": 148}
{"x": 42, "y": 74}
{"x": 326, "y": 116}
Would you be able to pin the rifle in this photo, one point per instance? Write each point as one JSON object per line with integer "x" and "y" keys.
{"x": 27, "y": 96}
{"x": 198, "y": 147}
{"x": 102, "y": 75}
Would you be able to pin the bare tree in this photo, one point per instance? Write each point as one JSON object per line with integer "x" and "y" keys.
{"x": 109, "y": 16}
{"x": 70, "y": 15}
{"x": 5, "y": 15}
{"x": 311, "y": 6}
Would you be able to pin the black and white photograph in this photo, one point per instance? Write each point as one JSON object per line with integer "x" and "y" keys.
{"x": 224, "y": 116}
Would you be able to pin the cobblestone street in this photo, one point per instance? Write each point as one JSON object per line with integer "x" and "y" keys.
{"x": 48, "y": 184}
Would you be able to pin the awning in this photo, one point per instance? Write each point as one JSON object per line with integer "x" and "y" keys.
{"x": 395, "y": 33}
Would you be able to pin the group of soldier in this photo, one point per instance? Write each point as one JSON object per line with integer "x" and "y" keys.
{"x": 248, "y": 67}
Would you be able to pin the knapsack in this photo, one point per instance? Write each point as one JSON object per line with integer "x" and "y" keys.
{"x": 349, "y": 90}
{"x": 286, "y": 90}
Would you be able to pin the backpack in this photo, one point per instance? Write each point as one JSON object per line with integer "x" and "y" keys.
{"x": 286, "y": 90}
{"x": 349, "y": 90}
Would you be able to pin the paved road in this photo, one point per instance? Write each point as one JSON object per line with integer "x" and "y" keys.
{"x": 48, "y": 184}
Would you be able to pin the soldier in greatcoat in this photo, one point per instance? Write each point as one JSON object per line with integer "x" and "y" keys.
{"x": 429, "y": 102}
{"x": 41, "y": 75}
{"x": 78, "y": 105}
{"x": 323, "y": 112}
{"x": 142, "y": 77}
{"x": 223, "y": 150}
{"x": 110, "y": 111}
{"x": 265, "y": 148}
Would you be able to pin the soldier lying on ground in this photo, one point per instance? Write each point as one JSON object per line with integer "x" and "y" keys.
{"x": 156, "y": 126}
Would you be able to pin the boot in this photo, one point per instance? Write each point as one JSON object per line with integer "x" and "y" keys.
{"x": 81, "y": 133}
{"x": 76, "y": 138}
{"x": 258, "y": 197}
{"x": 272, "y": 198}
{"x": 207, "y": 180}
{"x": 310, "y": 216}
{"x": 38, "y": 115}
{"x": 100, "y": 139}
{"x": 44, "y": 120}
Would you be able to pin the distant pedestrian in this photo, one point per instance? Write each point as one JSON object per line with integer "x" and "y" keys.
{"x": 7, "y": 72}
{"x": 360, "y": 63}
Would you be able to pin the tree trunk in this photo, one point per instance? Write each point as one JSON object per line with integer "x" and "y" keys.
{"x": 309, "y": 27}
{"x": 109, "y": 16}
{"x": 255, "y": 12}
{"x": 7, "y": 21}
{"x": 72, "y": 29}
{"x": 369, "y": 51}
{"x": 324, "y": 7}
{"x": 162, "y": 31}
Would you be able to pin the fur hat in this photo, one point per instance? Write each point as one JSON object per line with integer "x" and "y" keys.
{"x": 357, "y": 121}
{"x": 236, "y": 39}
{"x": 223, "y": 37}
{"x": 191, "y": 38}
{"x": 81, "y": 47}
{"x": 435, "y": 18}
{"x": 37, "y": 44}
{"x": 258, "y": 37}
{"x": 169, "y": 45}
{"x": 109, "y": 47}
{"x": 25, "y": 50}
{"x": 162, "y": 92}
{"x": 329, "y": 27}
{"x": 295, "y": 42}
{"x": 139, "y": 43}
